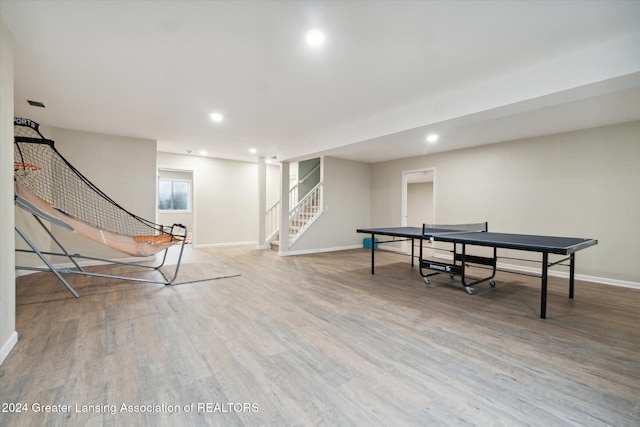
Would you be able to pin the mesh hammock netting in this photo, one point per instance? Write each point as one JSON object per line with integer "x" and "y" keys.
{"x": 57, "y": 190}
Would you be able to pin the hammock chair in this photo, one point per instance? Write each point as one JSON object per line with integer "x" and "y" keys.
{"x": 50, "y": 188}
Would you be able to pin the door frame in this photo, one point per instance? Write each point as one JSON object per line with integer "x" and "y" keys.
{"x": 405, "y": 199}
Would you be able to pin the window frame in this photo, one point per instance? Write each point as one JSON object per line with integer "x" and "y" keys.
{"x": 189, "y": 208}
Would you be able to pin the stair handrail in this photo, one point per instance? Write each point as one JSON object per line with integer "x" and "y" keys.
{"x": 304, "y": 178}
{"x": 304, "y": 199}
{"x": 293, "y": 191}
{"x": 306, "y": 206}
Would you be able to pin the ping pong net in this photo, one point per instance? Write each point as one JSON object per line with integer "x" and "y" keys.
{"x": 429, "y": 231}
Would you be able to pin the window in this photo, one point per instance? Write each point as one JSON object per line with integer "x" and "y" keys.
{"x": 174, "y": 195}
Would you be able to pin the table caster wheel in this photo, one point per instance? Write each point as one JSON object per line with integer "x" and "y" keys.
{"x": 469, "y": 290}
{"x": 492, "y": 283}
{"x": 426, "y": 280}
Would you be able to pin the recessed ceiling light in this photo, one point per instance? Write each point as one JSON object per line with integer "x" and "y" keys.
{"x": 432, "y": 137}
{"x": 203, "y": 153}
{"x": 315, "y": 38}
{"x": 253, "y": 150}
{"x": 216, "y": 117}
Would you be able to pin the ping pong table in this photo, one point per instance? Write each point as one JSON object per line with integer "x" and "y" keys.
{"x": 464, "y": 235}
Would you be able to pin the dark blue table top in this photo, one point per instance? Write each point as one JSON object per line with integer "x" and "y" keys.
{"x": 525, "y": 242}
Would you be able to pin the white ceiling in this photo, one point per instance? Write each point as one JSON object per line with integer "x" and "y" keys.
{"x": 476, "y": 72}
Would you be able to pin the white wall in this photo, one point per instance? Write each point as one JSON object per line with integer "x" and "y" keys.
{"x": 8, "y": 335}
{"x": 346, "y": 201}
{"x": 273, "y": 184}
{"x": 576, "y": 184}
{"x": 225, "y": 197}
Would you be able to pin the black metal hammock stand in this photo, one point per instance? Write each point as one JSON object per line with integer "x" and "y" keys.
{"x": 50, "y": 188}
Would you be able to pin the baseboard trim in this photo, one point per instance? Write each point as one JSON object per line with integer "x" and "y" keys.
{"x": 8, "y": 346}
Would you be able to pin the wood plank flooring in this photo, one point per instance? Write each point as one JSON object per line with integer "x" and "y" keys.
{"x": 317, "y": 340}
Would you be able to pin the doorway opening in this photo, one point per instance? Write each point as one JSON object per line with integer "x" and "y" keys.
{"x": 418, "y": 198}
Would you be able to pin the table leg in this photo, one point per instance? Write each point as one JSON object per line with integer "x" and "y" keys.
{"x": 373, "y": 254}
{"x": 412, "y": 242}
{"x": 572, "y": 270}
{"x": 543, "y": 292}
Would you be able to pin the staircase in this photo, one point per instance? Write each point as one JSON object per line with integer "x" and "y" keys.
{"x": 301, "y": 214}
{"x": 305, "y": 213}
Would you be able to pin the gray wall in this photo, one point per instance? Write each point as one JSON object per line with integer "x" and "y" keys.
{"x": 304, "y": 167}
{"x": 579, "y": 184}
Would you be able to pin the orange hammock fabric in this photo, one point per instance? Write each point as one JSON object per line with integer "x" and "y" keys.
{"x": 24, "y": 166}
{"x": 140, "y": 246}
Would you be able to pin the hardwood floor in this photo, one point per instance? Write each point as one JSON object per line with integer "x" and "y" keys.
{"x": 317, "y": 340}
